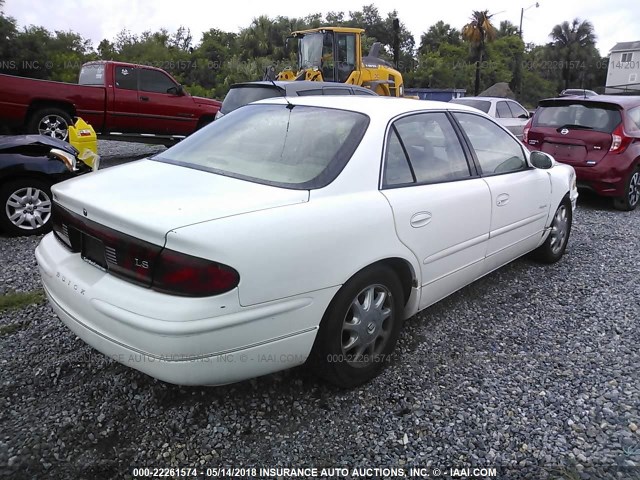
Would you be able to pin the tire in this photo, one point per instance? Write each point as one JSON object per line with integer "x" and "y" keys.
{"x": 349, "y": 351}
{"x": 25, "y": 207}
{"x": 556, "y": 243}
{"x": 50, "y": 121}
{"x": 631, "y": 197}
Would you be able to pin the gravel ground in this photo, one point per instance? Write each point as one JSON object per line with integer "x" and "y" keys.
{"x": 533, "y": 369}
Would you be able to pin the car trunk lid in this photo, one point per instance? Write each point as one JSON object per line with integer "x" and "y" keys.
{"x": 146, "y": 199}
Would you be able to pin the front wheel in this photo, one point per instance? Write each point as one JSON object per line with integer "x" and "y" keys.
{"x": 360, "y": 328}
{"x": 25, "y": 207}
{"x": 556, "y": 243}
{"x": 631, "y": 198}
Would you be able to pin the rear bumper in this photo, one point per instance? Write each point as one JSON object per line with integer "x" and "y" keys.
{"x": 607, "y": 178}
{"x": 186, "y": 341}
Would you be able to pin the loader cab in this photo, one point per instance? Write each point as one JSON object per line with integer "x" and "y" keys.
{"x": 335, "y": 53}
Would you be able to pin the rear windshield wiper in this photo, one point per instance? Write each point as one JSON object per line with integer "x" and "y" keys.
{"x": 573, "y": 125}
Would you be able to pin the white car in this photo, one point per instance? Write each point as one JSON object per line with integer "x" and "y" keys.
{"x": 294, "y": 230}
{"x": 508, "y": 113}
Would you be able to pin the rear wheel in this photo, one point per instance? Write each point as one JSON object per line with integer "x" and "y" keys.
{"x": 50, "y": 121}
{"x": 631, "y": 198}
{"x": 25, "y": 207}
{"x": 556, "y": 243}
{"x": 360, "y": 328}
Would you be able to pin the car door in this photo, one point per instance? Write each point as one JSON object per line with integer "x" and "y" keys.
{"x": 441, "y": 208}
{"x": 163, "y": 110}
{"x": 520, "y": 118}
{"x": 520, "y": 195}
{"x": 124, "y": 114}
{"x": 505, "y": 118}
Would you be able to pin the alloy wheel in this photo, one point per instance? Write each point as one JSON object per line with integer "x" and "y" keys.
{"x": 28, "y": 208}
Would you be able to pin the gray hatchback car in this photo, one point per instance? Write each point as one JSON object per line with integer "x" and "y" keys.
{"x": 243, "y": 93}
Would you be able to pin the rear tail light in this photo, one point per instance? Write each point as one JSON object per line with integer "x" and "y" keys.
{"x": 179, "y": 274}
{"x": 525, "y": 132}
{"x": 619, "y": 141}
{"x": 141, "y": 262}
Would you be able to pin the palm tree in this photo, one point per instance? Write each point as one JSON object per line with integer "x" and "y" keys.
{"x": 571, "y": 41}
{"x": 478, "y": 32}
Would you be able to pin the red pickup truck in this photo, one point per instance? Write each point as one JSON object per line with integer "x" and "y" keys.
{"x": 120, "y": 100}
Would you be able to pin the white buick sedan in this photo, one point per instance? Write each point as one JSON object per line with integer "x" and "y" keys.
{"x": 296, "y": 230}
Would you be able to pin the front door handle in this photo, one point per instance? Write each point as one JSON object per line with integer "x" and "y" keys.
{"x": 420, "y": 219}
{"x": 502, "y": 199}
{"x": 144, "y": 99}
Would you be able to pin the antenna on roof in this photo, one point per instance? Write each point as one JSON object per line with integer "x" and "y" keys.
{"x": 270, "y": 75}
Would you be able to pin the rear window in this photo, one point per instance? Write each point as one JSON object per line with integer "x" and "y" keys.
{"x": 239, "y": 96}
{"x": 92, "y": 75}
{"x": 596, "y": 116}
{"x": 273, "y": 144}
{"x": 482, "y": 105}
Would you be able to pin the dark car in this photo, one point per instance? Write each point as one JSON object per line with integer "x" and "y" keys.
{"x": 243, "y": 93}
{"x": 598, "y": 136}
{"x": 29, "y": 165}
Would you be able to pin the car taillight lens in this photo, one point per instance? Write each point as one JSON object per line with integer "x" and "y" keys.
{"x": 525, "y": 132}
{"x": 141, "y": 262}
{"x": 179, "y": 274}
{"x": 619, "y": 141}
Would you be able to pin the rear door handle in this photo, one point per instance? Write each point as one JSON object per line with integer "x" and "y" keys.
{"x": 420, "y": 219}
{"x": 502, "y": 199}
{"x": 144, "y": 99}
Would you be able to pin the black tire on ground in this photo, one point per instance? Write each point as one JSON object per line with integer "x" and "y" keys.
{"x": 25, "y": 207}
{"x": 366, "y": 312}
{"x": 556, "y": 243}
{"x": 50, "y": 121}
{"x": 631, "y": 197}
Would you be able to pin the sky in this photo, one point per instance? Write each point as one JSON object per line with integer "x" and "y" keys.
{"x": 614, "y": 20}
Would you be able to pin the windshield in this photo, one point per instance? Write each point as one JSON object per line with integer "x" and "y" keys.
{"x": 482, "y": 105}
{"x": 92, "y": 74}
{"x": 239, "y": 96}
{"x": 310, "y": 50}
{"x": 297, "y": 147}
{"x": 598, "y": 117}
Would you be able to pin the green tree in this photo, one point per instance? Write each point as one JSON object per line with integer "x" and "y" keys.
{"x": 478, "y": 32}
{"x": 573, "y": 45}
{"x": 438, "y": 34}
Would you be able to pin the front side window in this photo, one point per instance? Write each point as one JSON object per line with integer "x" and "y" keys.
{"x": 424, "y": 148}
{"x": 274, "y": 145}
{"x": 497, "y": 151}
{"x": 155, "y": 81}
{"x": 517, "y": 110}
{"x": 127, "y": 78}
{"x": 346, "y": 55}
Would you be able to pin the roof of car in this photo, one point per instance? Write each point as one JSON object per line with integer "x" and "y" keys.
{"x": 626, "y": 101}
{"x": 484, "y": 98}
{"x": 390, "y": 106}
{"x": 295, "y": 86}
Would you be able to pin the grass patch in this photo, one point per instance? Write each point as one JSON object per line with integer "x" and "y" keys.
{"x": 15, "y": 300}
{"x": 12, "y": 328}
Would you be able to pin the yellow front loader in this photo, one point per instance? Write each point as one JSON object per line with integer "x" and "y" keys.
{"x": 334, "y": 54}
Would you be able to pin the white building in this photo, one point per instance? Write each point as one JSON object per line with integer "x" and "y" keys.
{"x": 623, "y": 74}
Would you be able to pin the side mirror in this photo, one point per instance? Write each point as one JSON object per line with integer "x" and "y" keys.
{"x": 541, "y": 160}
{"x": 177, "y": 90}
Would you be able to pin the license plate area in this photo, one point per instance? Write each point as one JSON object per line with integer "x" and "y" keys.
{"x": 92, "y": 251}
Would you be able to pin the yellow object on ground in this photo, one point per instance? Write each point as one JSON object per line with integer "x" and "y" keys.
{"x": 83, "y": 137}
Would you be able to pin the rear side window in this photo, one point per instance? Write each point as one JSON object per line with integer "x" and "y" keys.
{"x": 596, "y": 116}
{"x": 237, "y": 97}
{"x": 92, "y": 75}
{"x": 336, "y": 91}
{"x": 127, "y": 78}
{"x": 424, "y": 148}
{"x": 634, "y": 117}
{"x": 502, "y": 110}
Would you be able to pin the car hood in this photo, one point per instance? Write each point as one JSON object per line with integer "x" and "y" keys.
{"x": 207, "y": 101}
{"x": 15, "y": 141}
{"x": 148, "y": 198}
